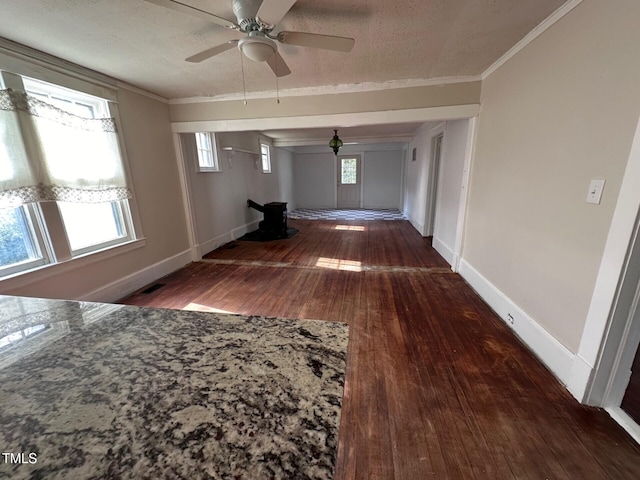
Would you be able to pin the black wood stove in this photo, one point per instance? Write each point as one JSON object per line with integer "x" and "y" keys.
{"x": 274, "y": 224}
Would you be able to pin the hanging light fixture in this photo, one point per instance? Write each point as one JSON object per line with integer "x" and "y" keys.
{"x": 335, "y": 142}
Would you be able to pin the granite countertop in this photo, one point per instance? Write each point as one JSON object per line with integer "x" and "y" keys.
{"x": 93, "y": 390}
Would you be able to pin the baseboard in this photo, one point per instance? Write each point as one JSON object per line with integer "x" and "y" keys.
{"x": 205, "y": 247}
{"x": 545, "y": 346}
{"x": 417, "y": 225}
{"x": 625, "y": 421}
{"x": 125, "y": 286}
{"x": 444, "y": 251}
{"x": 580, "y": 378}
{"x": 240, "y": 231}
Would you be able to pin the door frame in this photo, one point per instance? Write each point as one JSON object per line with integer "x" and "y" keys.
{"x": 336, "y": 173}
{"x": 433, "y": 180}
{"x": 612, "y": 329}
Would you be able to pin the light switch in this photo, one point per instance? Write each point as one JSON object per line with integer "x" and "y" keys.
{"x": 595, "y": 191}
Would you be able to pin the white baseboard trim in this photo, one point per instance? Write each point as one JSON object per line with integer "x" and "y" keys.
{"x": 240, "y": 231}
{"x": 114, "y": 291}
{"x": 545, "y": 346}
{"x": 444, "y": 251}
{"x": 417, "y": 225}
{"x": 210, "y": 245}
{"x": 581, "y": 372}
{"x": 625, "y": 421}
{"x": 203, "y": 248}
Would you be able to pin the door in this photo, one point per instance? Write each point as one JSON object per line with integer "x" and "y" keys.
{"x": 631, "y": 400}
{"x": 349, "y": 181}
{"x": 433, "y": 183}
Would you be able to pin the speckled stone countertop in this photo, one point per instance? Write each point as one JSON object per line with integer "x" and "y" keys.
{"x": 92, "y": 390}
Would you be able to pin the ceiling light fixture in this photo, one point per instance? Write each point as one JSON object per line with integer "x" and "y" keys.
{"x": 257, "y": 48}
{"x": 335, "y": 142}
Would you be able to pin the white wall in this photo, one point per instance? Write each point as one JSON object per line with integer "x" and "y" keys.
{"x": 556, "y": 115}
{"x": 449, "y": 190}
{"x": 219, "y": 199}
{"x": 315, "y": 175}
{"x": 314, "y": 178}
{"x": 148, "y": 141}
{"x": 382, "y": 179}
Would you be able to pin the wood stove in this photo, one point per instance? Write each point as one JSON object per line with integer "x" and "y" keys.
{"x": 274, "y": 224}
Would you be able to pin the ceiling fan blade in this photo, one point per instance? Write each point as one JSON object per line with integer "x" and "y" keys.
{"x": 272, "y": 11}
{"x": 315, "y": 40}
{"x": 278, "y": 65}
{"x": 196, "y": 12}
{"x": 212, "y": 52}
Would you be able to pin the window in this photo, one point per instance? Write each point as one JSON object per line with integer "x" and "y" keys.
{"x": 21, "y": 241}
{"x": 76, "y": 146}
{"x": 265, "y": 156}
{"x": 207, "y": 153}
{"x": 349, "y": 171}
{"x": 92, "y": 225}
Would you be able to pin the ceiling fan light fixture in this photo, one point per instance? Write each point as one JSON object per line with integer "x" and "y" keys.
{"x": 335, "y": 143}
{"x": 258, "y": 49}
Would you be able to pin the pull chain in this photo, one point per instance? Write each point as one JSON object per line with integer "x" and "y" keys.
{"x": 277, "y": 88}
{"x": 244, "y": 87}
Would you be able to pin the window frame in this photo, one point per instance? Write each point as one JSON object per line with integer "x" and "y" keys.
{"x": 265, "y": 156}
{"x": 33, "y": 217}
{"x": 207, "y": 155}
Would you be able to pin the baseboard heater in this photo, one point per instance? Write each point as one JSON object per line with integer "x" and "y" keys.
{"x": 275, "y": 218}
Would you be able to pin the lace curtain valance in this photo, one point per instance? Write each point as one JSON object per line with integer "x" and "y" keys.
{"x": 48, "y": 154}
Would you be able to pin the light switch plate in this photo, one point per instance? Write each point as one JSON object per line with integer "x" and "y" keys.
{"x": 595, "y": 191}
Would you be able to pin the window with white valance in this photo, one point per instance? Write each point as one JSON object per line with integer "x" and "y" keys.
{"x": 60, "y": 163}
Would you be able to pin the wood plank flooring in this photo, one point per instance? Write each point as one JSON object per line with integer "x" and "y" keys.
{"x": 437, "y": 386}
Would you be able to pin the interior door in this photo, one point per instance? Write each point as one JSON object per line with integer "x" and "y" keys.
{"x": 349, "y": 181}
{"x": 631, "y": 400}
{"x": 433, "y": 182}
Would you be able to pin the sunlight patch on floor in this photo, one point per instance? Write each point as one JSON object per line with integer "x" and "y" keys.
{"x": 355, "y": 228}
{"x": 339, "y": 264}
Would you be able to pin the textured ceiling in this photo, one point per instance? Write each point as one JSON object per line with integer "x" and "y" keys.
{"x": 145, "y": 45}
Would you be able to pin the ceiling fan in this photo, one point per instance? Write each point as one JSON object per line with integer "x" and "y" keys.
{"x": 256, "y": 20}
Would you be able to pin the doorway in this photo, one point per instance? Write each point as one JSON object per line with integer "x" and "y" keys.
{"x": 631, "y": 399}
{"x": 434, "y": 173}
{"x": 349, "y": 181}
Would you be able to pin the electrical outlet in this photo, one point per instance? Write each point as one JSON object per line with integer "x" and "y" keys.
{"x": 510, "y": 319}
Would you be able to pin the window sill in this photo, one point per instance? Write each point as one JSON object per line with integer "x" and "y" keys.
{"x": 208, "y": 170}
{"x": 44, "y": 272}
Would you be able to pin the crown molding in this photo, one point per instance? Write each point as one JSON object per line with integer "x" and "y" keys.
{"x": 65, "y": 67}
{"x": 531, "y": 36}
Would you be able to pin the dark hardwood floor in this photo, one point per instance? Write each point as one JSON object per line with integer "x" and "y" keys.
{"x": 437, "y": 386}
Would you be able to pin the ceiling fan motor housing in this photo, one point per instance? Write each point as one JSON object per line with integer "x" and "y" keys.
{"x": 246, "y": 11}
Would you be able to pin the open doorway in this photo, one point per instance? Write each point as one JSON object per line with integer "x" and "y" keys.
{"x": 622, "y": 395}
{"x": 605, "y": 368}
{"x": 434, "y": 173}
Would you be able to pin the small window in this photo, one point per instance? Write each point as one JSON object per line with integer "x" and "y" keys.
{"x": 207, "y": 154}
{"x": 266, "y": 158}
{"x": 349, "y": 171}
